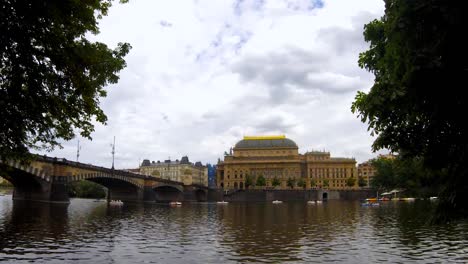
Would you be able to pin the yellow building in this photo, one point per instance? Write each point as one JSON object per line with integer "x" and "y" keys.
{"x": 367, "y": 171}
{"x": 181, "y": 171}
{"x": 277, "y": 159}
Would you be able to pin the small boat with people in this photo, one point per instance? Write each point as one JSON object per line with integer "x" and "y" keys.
{"x": 222, "y": 202}
{"x": 116, "y": 203}
{"x": 370, "y": 204}
{"x": 175, "y": 203}
{"x": 313, "y": 202}
{"x": 277, "y": 201}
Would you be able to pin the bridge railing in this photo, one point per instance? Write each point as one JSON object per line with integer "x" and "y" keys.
{"x": 63, "y": 161}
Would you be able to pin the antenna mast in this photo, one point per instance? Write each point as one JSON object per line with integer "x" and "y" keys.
{"x": 78, "y": 151}
{"x": 113, "y": 152}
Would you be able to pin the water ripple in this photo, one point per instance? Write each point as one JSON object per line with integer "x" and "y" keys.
{"x": 344, "y": 232}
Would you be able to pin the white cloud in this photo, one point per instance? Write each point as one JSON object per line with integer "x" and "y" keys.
{"x": 203, "y": 74}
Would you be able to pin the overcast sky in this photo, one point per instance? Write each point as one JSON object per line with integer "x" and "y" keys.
{"x": 203, "y": 73}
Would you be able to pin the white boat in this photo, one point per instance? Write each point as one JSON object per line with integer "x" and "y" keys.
{"x": 433, "y": 198}
{"x": 222, "y": 202}
{"x": 319, "y": 202}
{"x": 277, "y": 202}
{"x": 116, "y": 202}
{"x": 311, "y": 202}
{"x": 175, "y": 203}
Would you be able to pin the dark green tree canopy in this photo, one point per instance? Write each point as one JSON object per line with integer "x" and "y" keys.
{"x": 350, "y": 182}
{"x": 261, "y": 181}
{"x": 275, "y": 182}
{"x": 51, "y": 76}
{"x": 301, "y": 183}
{"x": 291, "y": 182}
{"x": 418, "y": 54}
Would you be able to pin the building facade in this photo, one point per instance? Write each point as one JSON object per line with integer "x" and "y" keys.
{"x": 179, "y": 170}
{"x": 278, "y": 161}
{"x": 367, "y": 171}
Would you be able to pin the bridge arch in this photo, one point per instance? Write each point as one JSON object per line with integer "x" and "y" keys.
{"x": 118, "y": 187}
{"x": 29, "y": 183}
{"x": 165, "y": 192}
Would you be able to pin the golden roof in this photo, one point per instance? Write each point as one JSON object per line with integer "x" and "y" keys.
{"x": 264, "y": 137}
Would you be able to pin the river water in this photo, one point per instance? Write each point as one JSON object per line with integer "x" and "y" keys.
{"x": 88, "y": 231}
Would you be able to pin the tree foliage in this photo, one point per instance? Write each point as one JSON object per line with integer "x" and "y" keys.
{"x": 404, "y": 173}
{"x": 86, "y": 189}
{"x": 261, "y": 181}
{"x": 350, "y": 181}
{"x": 419, "y": 58}
{"x": 51, "y": 75}
{"x": 361, "y": 182}
{"x": 275, "y": 182}
{"x": 313, "y": 183}
{"x": 249, "y": 181}
{"x": 301, "y": 183}
{"x": 291, "y": 182}
{"x": 326, "y": 183}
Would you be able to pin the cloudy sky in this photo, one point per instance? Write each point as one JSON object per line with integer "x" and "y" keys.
{"x": 203, "y": 73}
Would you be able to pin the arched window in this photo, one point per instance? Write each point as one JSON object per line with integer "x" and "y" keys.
{"x": 235, "y": 185}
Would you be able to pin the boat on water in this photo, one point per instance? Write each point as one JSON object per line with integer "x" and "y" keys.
{"x": 366, "y": 204}
{"x": 277, "y": 202}
{"x": 116, "y": 203}
{"x": 175, "y": 203}
{"x": 432, "y": 198}
{"x": 222, "y": 202}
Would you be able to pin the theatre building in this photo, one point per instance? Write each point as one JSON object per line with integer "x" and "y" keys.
{"x": 278, "y": 161}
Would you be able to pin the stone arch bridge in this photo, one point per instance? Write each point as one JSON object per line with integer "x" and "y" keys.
{"x": 47, "y": 179}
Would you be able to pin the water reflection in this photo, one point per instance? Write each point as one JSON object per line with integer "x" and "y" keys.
{"x": 89, "y": 231}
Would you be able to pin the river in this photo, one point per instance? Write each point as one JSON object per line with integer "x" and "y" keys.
{"x": 88, "y": 231}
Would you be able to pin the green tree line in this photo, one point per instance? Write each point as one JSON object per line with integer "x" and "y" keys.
{"x": 408, "y": 174}
{"x": 86, "y": 189}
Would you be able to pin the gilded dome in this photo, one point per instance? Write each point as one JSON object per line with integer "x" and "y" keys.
{"x": 265, "y": 142}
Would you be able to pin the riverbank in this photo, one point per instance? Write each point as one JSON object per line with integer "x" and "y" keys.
{"x": 288, "y": 195}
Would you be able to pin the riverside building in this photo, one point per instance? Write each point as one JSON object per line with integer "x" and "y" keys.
{"x": 179, "y": 170}
{"x": 277, "y": 159}
{"x": 367, "y": 171}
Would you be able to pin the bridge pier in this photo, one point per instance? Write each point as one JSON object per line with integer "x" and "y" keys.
{"x": 149, "y": 195}
{"x": 192, "y": 193}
